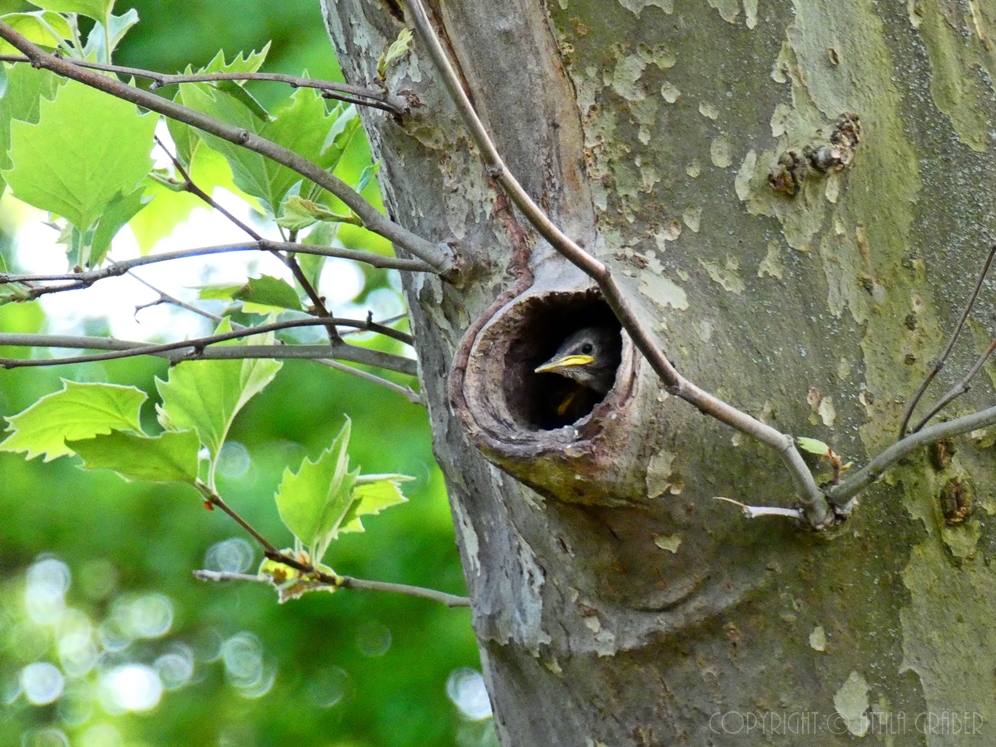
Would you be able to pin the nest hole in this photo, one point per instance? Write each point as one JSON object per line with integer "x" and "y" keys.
{"x": 545, "y": 401}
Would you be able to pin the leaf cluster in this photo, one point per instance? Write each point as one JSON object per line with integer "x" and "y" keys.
{"x": 199, "y": 402}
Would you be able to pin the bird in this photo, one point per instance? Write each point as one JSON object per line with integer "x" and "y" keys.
{"x": 589, "y": 357}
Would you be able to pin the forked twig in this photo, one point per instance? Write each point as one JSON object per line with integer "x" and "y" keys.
{"x": 939, "y": 363}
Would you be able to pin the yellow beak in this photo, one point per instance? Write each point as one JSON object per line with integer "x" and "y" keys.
{"x": 566, "y": 362}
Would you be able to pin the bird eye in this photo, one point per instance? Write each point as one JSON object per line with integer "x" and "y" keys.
{"x": 587, "y": 348}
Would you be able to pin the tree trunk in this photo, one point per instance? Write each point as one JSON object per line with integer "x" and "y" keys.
{"x": 796, "y": 195}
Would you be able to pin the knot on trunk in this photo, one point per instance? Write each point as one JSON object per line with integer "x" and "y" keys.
{"x": 575, "y": 431}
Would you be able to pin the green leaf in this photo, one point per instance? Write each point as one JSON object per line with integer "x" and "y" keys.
{"x": 118, "y": 26}
{"x": 269, "y": 291}
{"x": 217, "y": 292}
{"x": 207, "y": 395}
{"x": 25, "y": 88}
{"x": 347, "y": 124}
{"x": 397, "y": 49}
{"x": 372, "y": 494}
{"x": 97, "y": 9}
{"x": 169, "y": 457}
{"x": 42, "y": 27}
{"x": 300, "y": 124}
{"x": 366, "y": 175}
{"x": 119, "y": 211}
{"x": 298, "y": 213}
{"x": 184, "y": 136}
{"x": 78, "y": 411}
{"x": 813, "y": 446}
{"x": 86, "y": 150}
{"x": 313, "y": 502}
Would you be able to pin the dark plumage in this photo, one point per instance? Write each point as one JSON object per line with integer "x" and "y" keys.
{"x": 589, "y": 356}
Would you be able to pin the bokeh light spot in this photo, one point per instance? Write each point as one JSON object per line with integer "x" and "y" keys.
{"x": 373, "y": 639}
{"x": 44, "y": 738}
{"x": 465, "y": 687}
{"x": 176, "y": 667}
{"x": 230, "y": 556}
{"x": 42, "y": 683}
{"x": 330, "y": 687}
{"x": 130, "y": 687}
{"x": 45, "y": 593}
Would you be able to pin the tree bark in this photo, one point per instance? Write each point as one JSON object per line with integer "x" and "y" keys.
{"x": 796, "y": 194}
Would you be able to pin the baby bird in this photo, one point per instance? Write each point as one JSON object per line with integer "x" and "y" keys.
{"x": 589, "y": 357}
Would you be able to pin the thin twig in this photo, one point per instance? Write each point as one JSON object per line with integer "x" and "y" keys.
{"x": 405, "y": 391}
{"x": 346, "y": 582}
{"x": 860, "y": 479}
{"x": 958, "y": 389}
{"x": 318, "y": 303}
{"x": 314, "y": 575}
{"x": 86, "y": 278}
{"x": 198, "y": 350}
{"x": 753, "y": 512}
{"x": 939, "y": 363}
{"x": 438, "y": 256}
{"x": 329, "y": 89}
{"x": 165, "y": 297}
{"x": 817, "y": 510}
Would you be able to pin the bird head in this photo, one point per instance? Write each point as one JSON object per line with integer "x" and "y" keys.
{"x": 589, "y": 356}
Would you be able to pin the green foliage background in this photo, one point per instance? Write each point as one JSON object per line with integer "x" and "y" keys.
{"x": 122, "y": 538}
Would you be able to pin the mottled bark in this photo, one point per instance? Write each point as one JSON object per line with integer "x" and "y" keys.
{"x": 796, "y": 194}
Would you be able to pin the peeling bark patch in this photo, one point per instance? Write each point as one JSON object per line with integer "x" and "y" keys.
{"x": 742, "y": 183}
{"x": 659, "y": 473}
{"x": 670, "y": 543}
{"x": 721, "y": 151}
{"x": 827, "y": 412}
{"x": 692, "y": 218}
{"x": 670, "y": 92}
{"x": 663, "y": 291}
{"x": 636, "y": 6}
{"x": 728, "y": 9}
{"x": 726, "y": 275}
{"x": 851, "y": 702}
{"x": 750, "y": 10}
{"x": 625, "y": 78}
{"x": 708, "y": 110}
{"x": 772, "y": 263}
{"x": 818, "y": 639}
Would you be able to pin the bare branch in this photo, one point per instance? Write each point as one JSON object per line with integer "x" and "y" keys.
{"x": 939, "y": 364}
{"x": 817, "y": 509}
{"x": 347, "y": 582}
{"x": 197, "y": 349}
{"x": 438, "y": 256}
{"x": 329, "y": 89}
